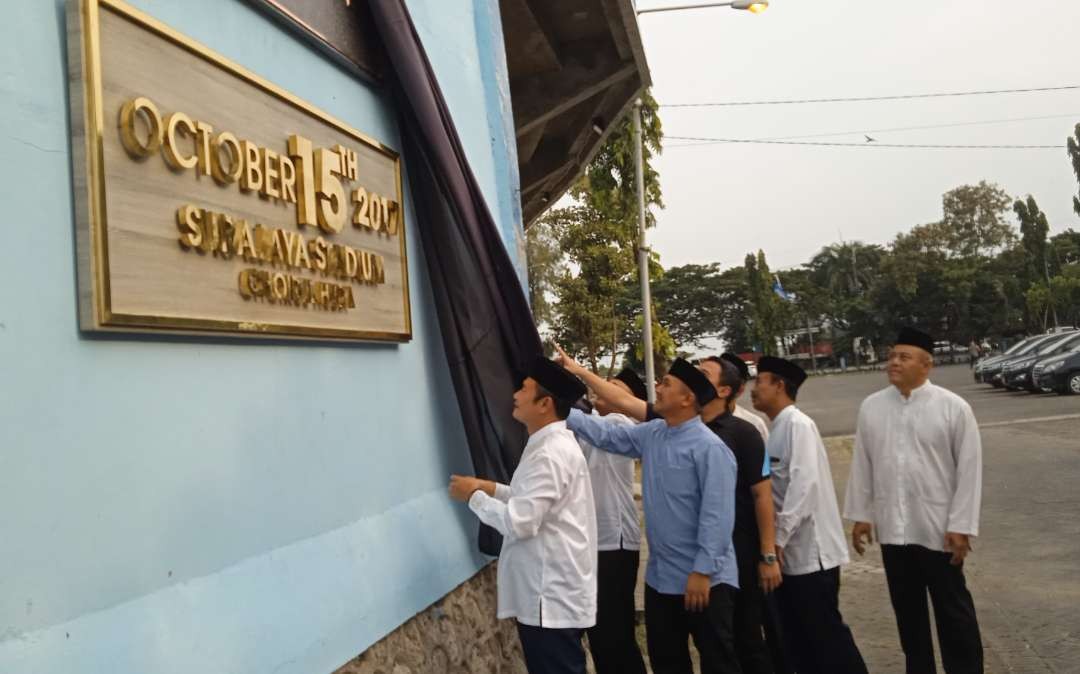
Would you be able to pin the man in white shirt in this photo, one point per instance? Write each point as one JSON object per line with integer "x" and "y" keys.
{"x": 547, "y": 567}
{"x": 613, "y": 640}
{"x": 740, "y": 411}
{"x": 810, "y": 538}
{"x": 916, "y": 475}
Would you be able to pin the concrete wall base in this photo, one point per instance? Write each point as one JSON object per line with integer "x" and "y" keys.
{"x": 457, "y": 635}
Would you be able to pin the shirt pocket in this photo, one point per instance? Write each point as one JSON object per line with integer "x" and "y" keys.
{"x": 681, "y": 480}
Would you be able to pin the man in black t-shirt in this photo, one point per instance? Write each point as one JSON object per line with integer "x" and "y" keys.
{"x": 754, "y": 526}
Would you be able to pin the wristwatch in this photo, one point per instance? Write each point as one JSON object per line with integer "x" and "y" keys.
{"x": 769, "y": 558}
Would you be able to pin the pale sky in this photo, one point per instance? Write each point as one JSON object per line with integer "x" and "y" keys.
{"x": 725, "y": 200}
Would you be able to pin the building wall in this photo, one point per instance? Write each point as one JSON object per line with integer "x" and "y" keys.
{"x": 195, "y": 505}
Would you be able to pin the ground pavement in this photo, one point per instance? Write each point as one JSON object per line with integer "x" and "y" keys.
{"x": 1025, "y": 570}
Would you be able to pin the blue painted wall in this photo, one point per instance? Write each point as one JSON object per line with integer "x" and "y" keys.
{"x": 199, "y": 506}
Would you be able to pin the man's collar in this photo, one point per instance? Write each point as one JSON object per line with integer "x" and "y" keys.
{"x": 544, "y": 432}
{"x": 916, "y": 393}
{"x": 687, "y": 423}
{"x": 787, "y": 411}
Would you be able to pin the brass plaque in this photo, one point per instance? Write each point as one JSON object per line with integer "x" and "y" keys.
{"x": 211, "y": 201}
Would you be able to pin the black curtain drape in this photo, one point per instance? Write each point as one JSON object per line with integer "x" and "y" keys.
{"x": 487, "y": 327}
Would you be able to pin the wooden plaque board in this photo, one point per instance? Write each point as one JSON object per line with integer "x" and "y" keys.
{"x": 198, "y": 183}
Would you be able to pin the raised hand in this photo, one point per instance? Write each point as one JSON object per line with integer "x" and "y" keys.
{"x": 565, "y": 360}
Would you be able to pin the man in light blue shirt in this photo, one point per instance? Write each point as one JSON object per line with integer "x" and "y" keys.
{"x": 688, "y": 485}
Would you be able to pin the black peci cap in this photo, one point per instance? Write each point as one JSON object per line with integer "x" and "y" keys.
{"x": 739, "y": 363}
{"x": 694, "y": 379}
{"x": 784, "y": 368}
{"x": 556, "y": 380}
{"x": 913, "y": 337}
{"x": 634, "y": 383}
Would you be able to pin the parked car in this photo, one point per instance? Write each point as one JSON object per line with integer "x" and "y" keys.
{"x": 947, "y": 352}
{"x": 1060, "y": 374}
{"x": 1017, "y": 373}
{"x": 987, "y": 364}
{"x": 992, "y": 373}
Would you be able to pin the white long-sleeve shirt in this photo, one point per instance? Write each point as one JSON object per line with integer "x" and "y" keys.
{"x": 547, "y": 568}
{"x": 917, "y": 468}
{"x": 757, "y": 421}
{"x": 617, "y": 521}
{"x": 808, "y": 524}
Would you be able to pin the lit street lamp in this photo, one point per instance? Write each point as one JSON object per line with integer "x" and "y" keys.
{"x": 748, "y": 5}
{"x": 643, "y": 249}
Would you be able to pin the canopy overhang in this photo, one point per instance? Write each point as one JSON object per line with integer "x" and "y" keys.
{"x": 576, "y": 67}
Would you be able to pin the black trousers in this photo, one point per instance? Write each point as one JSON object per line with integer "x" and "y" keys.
{"x": 814, "y": 630}
{"x": 668, "y": 625}
{"x": 613, "y": 641}
{"x": 750, "y": 646}
{"x": 774, "y": 636}
{"x": 552, "y": 651}
{"x": 911, "y": 571}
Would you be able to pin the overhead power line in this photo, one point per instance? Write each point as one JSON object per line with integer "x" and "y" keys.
{"x": 694, "y": 140}
{"x": 863, "y": 99}
{"x": 872, "y": 144}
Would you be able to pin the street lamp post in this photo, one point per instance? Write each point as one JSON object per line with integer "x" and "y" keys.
{"x": 643, "y": 248}
{"x": 748, "y": 5}
{"x": 643, "y": 259}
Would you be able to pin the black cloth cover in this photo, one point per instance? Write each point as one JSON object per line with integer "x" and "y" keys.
{"x": 487, "y": 328}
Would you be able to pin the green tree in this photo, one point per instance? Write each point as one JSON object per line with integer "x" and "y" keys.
{"x": 1073, "y": 146}
{"x": 609, "y": 183}
{"x": 957, "y": 277}
{"x": 921, "y": 284}
{"x": 597, "y": 236}
{"x": 973, "y": 221}
{"x": 1033, "y": 232}
{"x": 546, "y": 264}
{"x": 1061, "y": 298}
{"x": 846, "y": 274}
{"x": 1066, "y": 248}
{"x": 734, "y": 304}
{"x": 691, "y": 302}
{"x": 664, "y": 349}
{"x": 766, "y": 316}
{"x": 845, "y": 269}
{"x": 997, "y": 304}
{"x": 599, "y": 263}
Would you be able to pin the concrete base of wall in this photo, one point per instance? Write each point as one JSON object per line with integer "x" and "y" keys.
{"x": 457, "y": 635}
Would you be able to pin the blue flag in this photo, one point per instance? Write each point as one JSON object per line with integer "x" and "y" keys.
{"x": 779, "y": 290}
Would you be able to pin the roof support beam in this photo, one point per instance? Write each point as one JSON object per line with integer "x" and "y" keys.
{"x": 562, "y": 91}
{"x": 527, "y": 143}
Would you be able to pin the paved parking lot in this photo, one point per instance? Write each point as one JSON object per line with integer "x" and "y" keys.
{"x": 1025, "y": 570}
{"x": 833, "y": 400}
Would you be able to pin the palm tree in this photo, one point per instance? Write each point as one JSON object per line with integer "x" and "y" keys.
{"x": 846, "y": 268}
